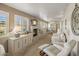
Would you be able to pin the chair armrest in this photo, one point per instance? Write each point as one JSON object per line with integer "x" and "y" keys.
{"x": 67, "y": 48}
{"x": 64, "y": 52}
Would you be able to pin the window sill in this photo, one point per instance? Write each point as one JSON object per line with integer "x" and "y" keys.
{"x": 3, "y": 36}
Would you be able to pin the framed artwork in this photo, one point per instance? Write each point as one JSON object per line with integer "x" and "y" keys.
{"x": 75, "y": 20}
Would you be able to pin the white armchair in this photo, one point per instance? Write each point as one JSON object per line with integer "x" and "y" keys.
{"x": 54, "y": 50}
{"x": 68, "y": 47}
{"x": 57, "y": 39}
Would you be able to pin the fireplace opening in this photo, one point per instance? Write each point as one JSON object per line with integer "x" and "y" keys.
{"x": 34, "y": 32}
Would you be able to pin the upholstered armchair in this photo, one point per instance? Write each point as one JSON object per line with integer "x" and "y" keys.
{"x": 57, "y": 39}
{"x": 55, "y": 50}
{"x": 2, "y": 50}
{"x": 68, "y": 47}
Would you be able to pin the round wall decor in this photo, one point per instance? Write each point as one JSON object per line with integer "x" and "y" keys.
{"x": 75, "y": 20}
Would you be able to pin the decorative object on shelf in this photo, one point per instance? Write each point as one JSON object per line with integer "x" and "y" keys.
{"x": 15, "y": 32}
{"x": 34, "y": 22}
{"x": 17, "y": 35}
{"x": 75, "y": 20}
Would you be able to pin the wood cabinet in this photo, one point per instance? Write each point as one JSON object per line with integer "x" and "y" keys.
{"x": 17, "y": 46}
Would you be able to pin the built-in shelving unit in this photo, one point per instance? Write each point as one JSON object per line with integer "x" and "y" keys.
{"x": 17, "y": 46}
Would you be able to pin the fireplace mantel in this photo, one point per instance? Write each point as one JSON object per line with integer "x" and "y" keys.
{"x": 34, "y": 27}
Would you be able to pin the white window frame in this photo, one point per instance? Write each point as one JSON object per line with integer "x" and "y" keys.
{"x": 7, "y": 22}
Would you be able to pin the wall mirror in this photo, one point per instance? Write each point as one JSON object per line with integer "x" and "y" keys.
{"x": 75, "y": 20}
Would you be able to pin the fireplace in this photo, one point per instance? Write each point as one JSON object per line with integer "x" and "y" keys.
{"x": 35, "y": 32}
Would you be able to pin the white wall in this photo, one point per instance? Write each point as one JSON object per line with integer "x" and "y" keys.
{"x": 68, "y": 30}
{"x": 68, "y": 15}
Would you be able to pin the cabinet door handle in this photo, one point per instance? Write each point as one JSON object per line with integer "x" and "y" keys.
{"x": 25, "y": 40}
{"x": 18, "y": 44}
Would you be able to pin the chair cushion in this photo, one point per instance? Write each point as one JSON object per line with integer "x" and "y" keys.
{"x": 51, "y": 50}
{"x": 60, "y": 46}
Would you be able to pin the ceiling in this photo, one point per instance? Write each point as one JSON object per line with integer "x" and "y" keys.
{"x": 45, "y": 11}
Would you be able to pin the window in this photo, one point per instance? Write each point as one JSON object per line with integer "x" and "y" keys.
{"x": 24, "y": 24}
{"x": 3, "y": 22}
{"x": 20, "y": 24}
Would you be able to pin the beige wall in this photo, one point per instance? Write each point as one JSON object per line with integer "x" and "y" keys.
{"x": 68, "y": 15}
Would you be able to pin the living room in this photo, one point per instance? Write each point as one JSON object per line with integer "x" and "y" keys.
{"x": 41, "y": 29}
